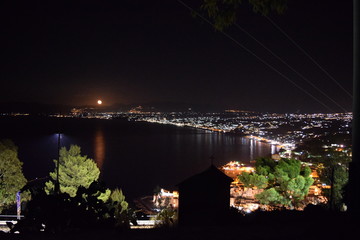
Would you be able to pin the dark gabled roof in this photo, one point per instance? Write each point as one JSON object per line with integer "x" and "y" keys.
{"x": 211, "y": 173}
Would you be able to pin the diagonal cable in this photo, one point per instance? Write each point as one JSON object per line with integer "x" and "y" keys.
{"x": 257, "y": 57}
{"x": 284, "y": 62}
{"x": 312, "y": 59}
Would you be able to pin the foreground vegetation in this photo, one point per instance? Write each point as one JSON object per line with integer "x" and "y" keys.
{"x": 11, "y": 177}
{"x": 83, "y": 202}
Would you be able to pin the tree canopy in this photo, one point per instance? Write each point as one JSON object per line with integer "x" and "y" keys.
{"x": 334, "y": 171}
{"x": 60, "y": 213}
{"x": 224, "y": 12}
{"x": 333, "y": 164}
{"x": 75, "y": 170}
{"x": 11, "y": 176}
{"x": 123, "y": 214}
{"x": 284, "y": 183}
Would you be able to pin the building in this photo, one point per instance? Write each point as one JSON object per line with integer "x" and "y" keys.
{"x": 204, "y": 198}
{"x": 165, "y": 198}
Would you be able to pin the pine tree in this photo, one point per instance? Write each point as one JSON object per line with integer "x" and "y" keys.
{"x": 74, "y": 171}
{"x": 11, "y": 176}
{"x": 284, "y": 183}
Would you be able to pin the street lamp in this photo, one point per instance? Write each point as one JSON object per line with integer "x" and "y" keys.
{"x": 57, "y": 183}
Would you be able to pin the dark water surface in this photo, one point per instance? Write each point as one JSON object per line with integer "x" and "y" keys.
{"x": 134, "y": 156}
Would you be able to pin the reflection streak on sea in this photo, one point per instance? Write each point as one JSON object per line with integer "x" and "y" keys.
{"x": 99, "y": 147}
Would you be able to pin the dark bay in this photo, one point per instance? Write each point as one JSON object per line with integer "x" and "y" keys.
{"x": 134, "y": 156}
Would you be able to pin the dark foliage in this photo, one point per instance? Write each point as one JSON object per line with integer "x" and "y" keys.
{"x": 224, "y": 12}
{"x": 62, "y": 213}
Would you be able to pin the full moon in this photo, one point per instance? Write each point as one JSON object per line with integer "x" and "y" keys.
{"x": 99, "y": 102}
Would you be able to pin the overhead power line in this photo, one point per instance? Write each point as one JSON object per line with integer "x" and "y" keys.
{"x": 257, "y": 57}
{"x": 308, "y": 55}
{"x": 284, "y": 62}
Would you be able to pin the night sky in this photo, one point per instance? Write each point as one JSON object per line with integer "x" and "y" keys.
{"x": 156, "y": 53}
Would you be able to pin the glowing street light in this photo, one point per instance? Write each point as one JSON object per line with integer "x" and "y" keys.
{"x": 99, "y": 102}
